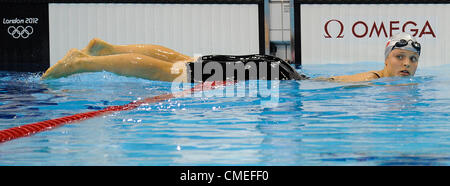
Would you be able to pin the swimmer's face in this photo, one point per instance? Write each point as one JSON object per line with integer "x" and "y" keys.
{"x": 401, "y": 62}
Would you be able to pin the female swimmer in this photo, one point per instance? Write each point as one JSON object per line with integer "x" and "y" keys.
{"x": 401, "y": 59}
{"x": 156, "y": 62}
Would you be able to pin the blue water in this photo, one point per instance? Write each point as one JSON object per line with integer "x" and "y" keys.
{"x": 389, "y": 121}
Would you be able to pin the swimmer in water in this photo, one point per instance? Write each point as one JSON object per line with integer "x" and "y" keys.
{"x": 401, "y": 59}
{"x": 156, "y": 62}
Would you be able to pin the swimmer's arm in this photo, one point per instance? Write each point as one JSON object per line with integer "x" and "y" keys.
{"x": 365, "y": 76}
{"x": 322, "y": 79}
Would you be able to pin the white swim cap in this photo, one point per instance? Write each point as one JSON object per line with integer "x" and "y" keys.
{"x": 402, "y": 41}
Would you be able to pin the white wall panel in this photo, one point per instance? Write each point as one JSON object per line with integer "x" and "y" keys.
{"x": 187, "y": 28}
{"x": 317, "y": 49}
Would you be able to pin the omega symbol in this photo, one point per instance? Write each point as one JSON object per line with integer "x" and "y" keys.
{"x": 327, "y": 34}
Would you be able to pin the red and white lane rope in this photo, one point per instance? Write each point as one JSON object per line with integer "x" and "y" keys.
{"x": 33, "y": 128}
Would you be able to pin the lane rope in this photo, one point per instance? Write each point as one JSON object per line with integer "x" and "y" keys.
{"x": 33, "y": 128}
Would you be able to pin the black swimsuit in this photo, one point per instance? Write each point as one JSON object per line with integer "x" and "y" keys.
{"x": 226, "y": 67}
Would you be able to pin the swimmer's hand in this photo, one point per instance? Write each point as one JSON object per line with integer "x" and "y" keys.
{"x": 65, "y": 67}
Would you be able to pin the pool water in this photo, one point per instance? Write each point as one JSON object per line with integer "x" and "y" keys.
{"x": 389, "y": 121}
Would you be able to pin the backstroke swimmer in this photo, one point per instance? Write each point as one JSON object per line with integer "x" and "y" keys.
{"x": 156, "y": 62}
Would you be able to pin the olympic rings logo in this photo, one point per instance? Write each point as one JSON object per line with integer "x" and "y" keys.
{"x": 20, "y": 31}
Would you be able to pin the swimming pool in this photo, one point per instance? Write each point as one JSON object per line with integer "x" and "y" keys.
{"x": 389, "y": 121}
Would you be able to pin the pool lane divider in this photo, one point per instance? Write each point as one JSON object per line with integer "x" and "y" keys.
{"x": 33, "y": 128}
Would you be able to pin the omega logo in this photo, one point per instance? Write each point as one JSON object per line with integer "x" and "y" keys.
{"x": 340, "y": 31}
{"x": 361, "y": 29}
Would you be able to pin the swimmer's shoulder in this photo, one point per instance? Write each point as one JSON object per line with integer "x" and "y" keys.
{"x": 363, "y": 76}
{"x": 368, "y": 76}
{"x": 375, "y": 74}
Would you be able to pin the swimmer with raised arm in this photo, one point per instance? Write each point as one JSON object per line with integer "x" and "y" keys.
{"x": 401, "y": 59}
{"x": 156, "y": 62}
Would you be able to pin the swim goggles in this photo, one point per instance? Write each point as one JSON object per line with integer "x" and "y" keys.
{"x": 403, "y": 42}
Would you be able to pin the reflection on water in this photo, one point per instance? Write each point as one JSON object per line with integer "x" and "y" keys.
{"x": 17, "y": 100}
{"x": 389, "y": 121}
